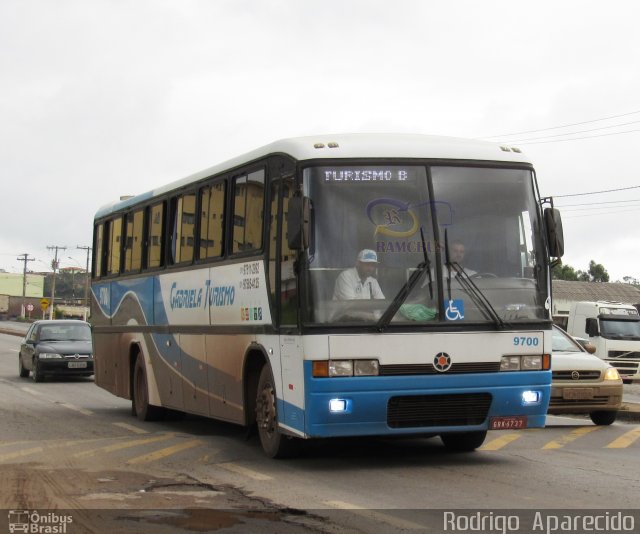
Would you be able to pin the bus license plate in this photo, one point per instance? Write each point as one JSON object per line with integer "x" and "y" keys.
{"x": 511, "y": 422}
{"x": 77, "y": 365}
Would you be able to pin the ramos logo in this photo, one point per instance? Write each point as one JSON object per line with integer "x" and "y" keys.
{"x": 442, "y": 362}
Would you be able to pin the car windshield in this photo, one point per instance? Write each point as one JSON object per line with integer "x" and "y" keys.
{"x": 410, "y": 244}
{"x": 561, "y": 342}
{"x": 62, "y": 332}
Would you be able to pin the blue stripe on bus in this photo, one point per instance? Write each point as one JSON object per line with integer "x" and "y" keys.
{"x": 368, "y": 398}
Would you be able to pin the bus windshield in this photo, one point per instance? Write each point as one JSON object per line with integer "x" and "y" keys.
{"x": 439, "y": 243}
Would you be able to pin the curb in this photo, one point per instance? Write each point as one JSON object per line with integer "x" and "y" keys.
{"x": 629, "y": 411}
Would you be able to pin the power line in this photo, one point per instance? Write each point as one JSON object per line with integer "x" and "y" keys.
{"x": 576, "y": 138}
{"x": 574, "y": 133}
{"x": 597, "y": 203}
{"x": 562, "y": 126}
{"x": 598, "y": 192}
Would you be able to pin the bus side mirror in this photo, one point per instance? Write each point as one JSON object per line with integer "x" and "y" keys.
{"x": 555, "y": 236}
{"x": 592, "y": 327}
{"x": 298, "y": 222}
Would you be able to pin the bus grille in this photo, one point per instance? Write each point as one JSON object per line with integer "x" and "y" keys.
{"x": 582, "y": 375}
{"x": 428, "y": 369}
{"x": 438, "y": 410}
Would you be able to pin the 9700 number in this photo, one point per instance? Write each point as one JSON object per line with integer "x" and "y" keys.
{"x": 524, "y": 341}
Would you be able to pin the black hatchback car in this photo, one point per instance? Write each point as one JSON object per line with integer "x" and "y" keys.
{"x": 61, "y": 348}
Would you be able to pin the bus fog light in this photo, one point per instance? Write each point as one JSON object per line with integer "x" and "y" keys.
{"x": 510, "y": 363}
{"x": 365, "y": 367}
{"x": 341, "y": 368}
{"x": 337, "y": 405}
{"x": 531, "y": 363}
{"x": 531, "y": 398}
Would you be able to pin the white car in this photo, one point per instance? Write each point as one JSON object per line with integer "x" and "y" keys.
{"x": 582, "y": 383}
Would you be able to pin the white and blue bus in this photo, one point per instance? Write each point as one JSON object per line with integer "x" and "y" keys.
{"x": 215, "y": 295}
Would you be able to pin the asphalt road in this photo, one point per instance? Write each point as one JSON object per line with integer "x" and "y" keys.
{"x": 69, "y": 445}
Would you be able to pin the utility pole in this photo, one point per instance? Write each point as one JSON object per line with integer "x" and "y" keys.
{"x": 54, "y": 264}
{"x": 24, "y": 258}
{"x": 86, "y": 282}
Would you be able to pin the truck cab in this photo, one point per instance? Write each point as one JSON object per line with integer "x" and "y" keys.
{"x": 614, "y": 329}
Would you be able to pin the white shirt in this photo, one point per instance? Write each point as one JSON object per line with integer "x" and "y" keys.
{"x": 349, "y": 286}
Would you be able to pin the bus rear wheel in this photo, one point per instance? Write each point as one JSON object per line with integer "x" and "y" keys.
{"x": 274, "y": 444}
{"x": 463, "y": 441}
{"x": 141, "y": 406}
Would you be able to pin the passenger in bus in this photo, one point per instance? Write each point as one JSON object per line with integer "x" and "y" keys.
{"x": 359, "y": 282}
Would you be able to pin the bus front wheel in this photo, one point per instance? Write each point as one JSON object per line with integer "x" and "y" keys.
{"x": 275, "y": 444}
{"x": 141, "y": 406}
{"x": 463, "y": 441}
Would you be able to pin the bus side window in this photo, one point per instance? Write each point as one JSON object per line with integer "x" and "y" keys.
{"x": 114, "y": 246}
{"x": 98, "y": 257}
{"x": 133, "y": 241}
{"x": 212, "y": 220}
{"x": 183, "y": 228}
{"x": 154, "y": 236}
{"x": 248, "y": 211}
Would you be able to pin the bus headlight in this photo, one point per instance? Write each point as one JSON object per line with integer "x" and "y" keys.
{"x": 365, "y": 367}
{"x": 535, "y": 362}
{"x": 340, "y": 367}
{"x": 337, "y": 368}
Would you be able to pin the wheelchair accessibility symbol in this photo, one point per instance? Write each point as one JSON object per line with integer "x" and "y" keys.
{"x": 454, "y": 310}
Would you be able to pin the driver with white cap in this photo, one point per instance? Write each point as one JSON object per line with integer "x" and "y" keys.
{"x": 359, "y": 282}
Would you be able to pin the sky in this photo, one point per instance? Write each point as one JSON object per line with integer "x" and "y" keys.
{"x": 103, "y": 98}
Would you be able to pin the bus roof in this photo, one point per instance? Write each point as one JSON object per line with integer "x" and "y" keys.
{"x": 337, "y": 146}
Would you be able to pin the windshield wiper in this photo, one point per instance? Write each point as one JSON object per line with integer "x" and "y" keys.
{"x": 469, "y": 286}
{"x": 406, "y": 289}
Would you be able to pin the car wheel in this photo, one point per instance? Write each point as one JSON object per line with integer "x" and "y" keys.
{"x": 274, "y": 444}
{"x": 603, "y": 418}
{"x": 463, "y": 441}
{"x": 36, "y": 372}
{"x": 24, "y": 372}
{"x": 141, "y": 406}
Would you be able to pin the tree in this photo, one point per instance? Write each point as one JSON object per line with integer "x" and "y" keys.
{"x": 596, "y": 273}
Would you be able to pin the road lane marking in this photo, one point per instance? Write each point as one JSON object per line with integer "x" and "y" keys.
{"x": 32, "y": 391}
{"x": 376, "y": 516}
{"x": 572, "y": 436}
{"x": 132, "y": 428}
{"x": 500, "y": 442}
{"x": 125, "y": 445}
{"x": 74, "y": 408}
{"x": 19, "y": 454}
{"x": 625, "y": 440}
{"x": 238, "y": 469}
{"x": 163, "y": 453}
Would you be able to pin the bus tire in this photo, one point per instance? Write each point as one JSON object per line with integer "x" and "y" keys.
{"x": 274, "y": 444}
{"x": 143, "y": 410}
{"x": 604, "y": 418}
{"x": 463, "y": 441}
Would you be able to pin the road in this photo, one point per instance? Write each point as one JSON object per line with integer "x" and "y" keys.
{"x": 69, "y": 445}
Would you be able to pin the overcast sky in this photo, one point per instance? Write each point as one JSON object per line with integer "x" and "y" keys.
{"x": 105, "y": 98}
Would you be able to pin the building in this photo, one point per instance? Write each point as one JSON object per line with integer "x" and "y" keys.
{"x": 566, "y": 292}
{"x": 12, "y": 284}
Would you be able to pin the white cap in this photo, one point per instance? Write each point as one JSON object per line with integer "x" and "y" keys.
{"x": 368, "y": 256}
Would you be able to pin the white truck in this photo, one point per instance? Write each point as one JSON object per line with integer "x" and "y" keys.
{"x": 614, "y": 329}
